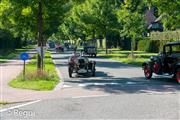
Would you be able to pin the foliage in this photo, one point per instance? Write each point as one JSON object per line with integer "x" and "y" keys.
{"x": 152, "y": 46}
{"x": 112, "y": 20}
{"x": 132, "y": 19}
{"x": 169, "y": 10}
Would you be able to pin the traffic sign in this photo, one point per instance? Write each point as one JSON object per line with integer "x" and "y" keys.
{"x": 24, "y": 56}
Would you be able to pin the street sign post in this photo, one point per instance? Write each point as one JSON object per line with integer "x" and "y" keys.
{"x": 24, "y": 56}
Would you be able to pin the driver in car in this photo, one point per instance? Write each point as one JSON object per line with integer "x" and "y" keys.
{"x": 73, "y": 57}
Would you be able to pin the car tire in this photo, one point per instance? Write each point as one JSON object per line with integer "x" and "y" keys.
{"x": 94, "y": 55}
{"x": 93, "y": 72}
{"x": 178, "y": 76}
{"x": 147, "y": 72}
{"x": 70, "y": 72}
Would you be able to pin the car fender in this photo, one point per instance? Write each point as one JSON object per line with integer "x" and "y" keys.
{"x": 177, "y": 66}
{"x": 145, "y": 63}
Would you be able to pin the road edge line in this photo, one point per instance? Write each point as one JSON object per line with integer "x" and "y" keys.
{"x": 19, "y": 106}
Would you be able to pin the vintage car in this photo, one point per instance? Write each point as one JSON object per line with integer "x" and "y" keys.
{"x": 59, "y": 48}
{"x": 81, "y": 65}
{"x": 166, "y": 63}
{"x": 90, "y": 51}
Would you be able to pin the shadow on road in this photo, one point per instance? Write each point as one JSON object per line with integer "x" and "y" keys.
{"x": 130, "y": 85}
{"x": 112, "y": 64}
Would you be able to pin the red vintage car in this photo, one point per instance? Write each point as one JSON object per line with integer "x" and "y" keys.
{"x": 166, "y": 63}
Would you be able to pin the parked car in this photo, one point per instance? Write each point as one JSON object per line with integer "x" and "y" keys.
{"x": 81, "y": 65}
{"x": 69, "y": 46}
{"x": 167, "y": 62}
{"x": 51, "y": 44}
{"x": 59, "y": 48}
{"x": 90, "y": 51}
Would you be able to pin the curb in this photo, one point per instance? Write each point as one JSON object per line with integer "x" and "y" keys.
{"x": 60, "y": 85}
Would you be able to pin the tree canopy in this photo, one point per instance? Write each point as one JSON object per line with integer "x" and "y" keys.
{"x": 85, "y": 19}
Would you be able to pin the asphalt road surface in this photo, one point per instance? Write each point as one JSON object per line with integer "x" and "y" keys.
{"x": 122, "y": 93}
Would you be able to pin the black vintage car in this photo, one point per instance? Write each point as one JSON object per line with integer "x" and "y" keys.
{"x": 81, "y": 65}
{"x": 166, "y": 63}
{"x": 90, "y": 51}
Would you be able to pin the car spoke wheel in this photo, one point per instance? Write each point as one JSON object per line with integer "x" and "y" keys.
{"x": 147, "y": 72}
{"x": 178, "y": 76}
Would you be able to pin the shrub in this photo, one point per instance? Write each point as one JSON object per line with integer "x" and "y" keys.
{"x": 142, "y": 45}
{"x": 152, "y": 46}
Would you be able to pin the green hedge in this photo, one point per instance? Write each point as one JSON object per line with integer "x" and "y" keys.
{"x": 153, "y": 46}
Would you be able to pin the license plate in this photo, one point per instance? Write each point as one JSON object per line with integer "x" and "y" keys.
{"x": 82, "y": 71}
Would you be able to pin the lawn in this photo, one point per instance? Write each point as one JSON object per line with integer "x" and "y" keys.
{"x": 123, "y": 56}
{"x": 35, "y": 80}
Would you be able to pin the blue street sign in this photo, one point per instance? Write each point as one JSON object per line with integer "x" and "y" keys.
{"x": 24, "y": 56}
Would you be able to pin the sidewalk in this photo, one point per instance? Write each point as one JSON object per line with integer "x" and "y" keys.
{"x": 9, "y": 71}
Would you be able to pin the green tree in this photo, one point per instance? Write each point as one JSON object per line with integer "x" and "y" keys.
{"x": 36, "y": 18}
{"x": 169, "y": 11}
{"x": 131, "y": 16}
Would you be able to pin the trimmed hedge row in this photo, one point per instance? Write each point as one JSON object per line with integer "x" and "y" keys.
{"x": 153, "y": 46}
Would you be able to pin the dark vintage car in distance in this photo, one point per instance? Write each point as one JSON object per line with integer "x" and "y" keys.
{"x": 89, "y": 51}
{"x": 166, "y": 63}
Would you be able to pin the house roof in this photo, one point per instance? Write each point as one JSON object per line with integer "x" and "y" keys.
{"x": 149, "y": 16}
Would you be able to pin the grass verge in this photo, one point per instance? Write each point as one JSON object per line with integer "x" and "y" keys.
{"x": 123, "y": 56}
{"x": 3, "y": 103}
{"x": 37, "y": 80}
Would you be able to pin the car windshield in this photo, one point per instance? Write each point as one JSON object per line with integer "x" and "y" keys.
{"x": 176, "y": 48}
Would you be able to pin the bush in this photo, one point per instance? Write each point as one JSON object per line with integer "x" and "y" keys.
{"x": 142, "y": 45}
{"x": 149, "y": 45}
{"x": 152, "y": 46}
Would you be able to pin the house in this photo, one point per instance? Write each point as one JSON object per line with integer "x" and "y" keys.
{"x": 153, "y": 23}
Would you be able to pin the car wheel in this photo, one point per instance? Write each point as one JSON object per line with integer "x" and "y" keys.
{"x": 147, "y": 72}
{"x": 70, "y": 71}
{"x": 94, "y": 72}
{"x": 178, "y": 76}
{"x": 95, "y": 55}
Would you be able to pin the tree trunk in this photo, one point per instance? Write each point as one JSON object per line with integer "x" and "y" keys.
{"x": 93, "y": 37}
{"x": 132, "y": 48}
{"x": 40, "y": 38}
{"x": 106, "y": 40}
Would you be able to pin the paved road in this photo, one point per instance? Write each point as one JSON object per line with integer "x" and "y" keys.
{"x": 122, "y": 93}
